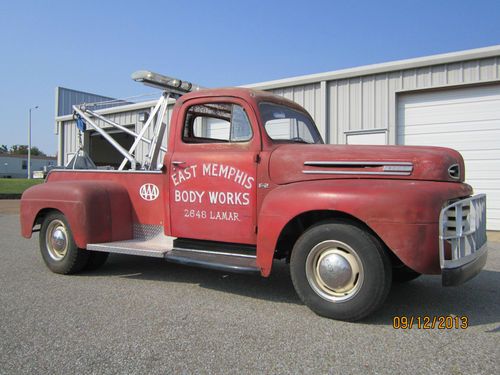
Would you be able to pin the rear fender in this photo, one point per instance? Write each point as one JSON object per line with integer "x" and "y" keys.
{"x": 97, "y": 211}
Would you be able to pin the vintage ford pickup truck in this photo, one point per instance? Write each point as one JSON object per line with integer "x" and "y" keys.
{"x": 246, "y": 179}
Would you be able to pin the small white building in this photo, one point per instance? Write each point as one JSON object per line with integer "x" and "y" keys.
{"x": 450, "y": 100}
{"x": 16, "y": 166}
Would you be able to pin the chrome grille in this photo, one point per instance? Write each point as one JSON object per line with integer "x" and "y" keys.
{"x": 462, "y": 231}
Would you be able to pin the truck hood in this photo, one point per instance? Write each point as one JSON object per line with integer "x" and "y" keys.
{"x": 300, "y": 162}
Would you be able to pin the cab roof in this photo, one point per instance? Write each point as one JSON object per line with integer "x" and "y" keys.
{"x": 250, "y": 95}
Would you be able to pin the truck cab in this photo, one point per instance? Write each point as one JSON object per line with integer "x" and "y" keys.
{"x": 246, "y": 180}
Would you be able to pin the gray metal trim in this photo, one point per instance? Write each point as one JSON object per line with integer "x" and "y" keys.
{"x": 451, "y": 264}
{"x": 472, "y": 240}
{"x": 113, "y": 248}
{"x": 122, "y": 108}
{"x": 114, "y": 143}
{"x": 146, "y": 232}
{"x": 103, "y": 171}
{"x": 450, "y": 172}
{"x": 122, "y": 128}
{"x": 445, "y": 58}
{"x": 213, "y": 261}
{"x": 359, "y": 173}
{"x": 390, "y": 167}
{"x": 238, "y": 255}
{"x": 347, "y": 163}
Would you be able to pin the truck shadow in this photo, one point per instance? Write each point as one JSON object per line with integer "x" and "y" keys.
{"x": 478, "y": 299}
{"x": 277, "y": 288}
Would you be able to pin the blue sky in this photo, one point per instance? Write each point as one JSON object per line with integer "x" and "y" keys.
{"x": 95, "y": 45}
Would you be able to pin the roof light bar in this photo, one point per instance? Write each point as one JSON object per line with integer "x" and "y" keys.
{"x": 163, "y": 82}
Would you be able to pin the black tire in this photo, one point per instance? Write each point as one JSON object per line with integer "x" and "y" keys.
{"x": 403, "y": 274}
{"x": 96, "y": 260}
{"x": 340, "y": 271}
{"x": 61, "y": 255}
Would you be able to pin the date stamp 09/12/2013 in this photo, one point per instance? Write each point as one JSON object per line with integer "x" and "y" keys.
{"x": 430, "y": 322}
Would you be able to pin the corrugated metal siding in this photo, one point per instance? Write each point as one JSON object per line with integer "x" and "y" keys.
{"x": 369, "y": 102}
{"x": 66, "y": 98}
{"x": 466, "y": 119}
{"x": 308, "y": 96}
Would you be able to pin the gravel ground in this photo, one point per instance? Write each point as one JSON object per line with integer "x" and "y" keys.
{"x": 145, "y": 316}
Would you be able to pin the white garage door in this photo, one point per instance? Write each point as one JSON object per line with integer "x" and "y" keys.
{"x": 466, "y": 119}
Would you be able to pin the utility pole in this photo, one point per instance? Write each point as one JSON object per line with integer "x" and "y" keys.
{"x": 29, "y": 142}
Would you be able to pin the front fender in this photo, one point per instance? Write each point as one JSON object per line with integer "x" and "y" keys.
{"x": 404, "y": 214}
{"x": 97, "y": 211}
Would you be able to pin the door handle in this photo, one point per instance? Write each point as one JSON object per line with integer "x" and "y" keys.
{"x": 178, "y": 163}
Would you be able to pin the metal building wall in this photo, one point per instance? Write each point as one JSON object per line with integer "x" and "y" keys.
{"x": 308, "y": 96}
{"x": 65, "y": 98}
{"x": 369, "y": 102}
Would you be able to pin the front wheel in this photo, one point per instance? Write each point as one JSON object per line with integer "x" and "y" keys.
{"x": 340, "y": 271}
{"x": 58, "y": 248}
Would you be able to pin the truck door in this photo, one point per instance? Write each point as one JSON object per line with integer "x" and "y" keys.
{"x": 213, "y": 171}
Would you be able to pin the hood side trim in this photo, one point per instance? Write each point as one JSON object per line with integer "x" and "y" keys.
{"x": 359, "y": 173}
{"x": 357, "y": 163}
{"x": 391, "y": 168}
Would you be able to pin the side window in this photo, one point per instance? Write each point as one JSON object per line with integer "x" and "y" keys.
{"x": 288, "y": 128}
{"x": 216, "y": 123}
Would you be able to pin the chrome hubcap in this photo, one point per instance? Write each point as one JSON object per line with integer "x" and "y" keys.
{"x": 57, "y": 240}
{"x": 334, "y": 271}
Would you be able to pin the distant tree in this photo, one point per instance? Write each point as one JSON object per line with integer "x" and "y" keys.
{"x": 36, "y": 151}
{"x": 18, "y": 149}
{"x": 23, "y": 150}
{"x": 4, "y": 149}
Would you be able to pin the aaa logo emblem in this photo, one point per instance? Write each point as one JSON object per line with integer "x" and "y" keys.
{"x": 149, "y": 192}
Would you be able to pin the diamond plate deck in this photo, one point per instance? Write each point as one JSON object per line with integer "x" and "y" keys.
{"x": 149, "y": 240}
{"x": 147, "y": 231}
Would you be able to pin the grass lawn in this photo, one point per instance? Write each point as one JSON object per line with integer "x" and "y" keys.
{"x": 17, "y": 185}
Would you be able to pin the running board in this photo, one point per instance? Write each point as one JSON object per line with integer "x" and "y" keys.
{"x": 152, "y": 248}
{"x": 229, "y": 262}
{"x": 217, "y": 260}
{"x": 149, "y": 240}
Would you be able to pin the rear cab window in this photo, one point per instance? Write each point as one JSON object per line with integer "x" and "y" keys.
{"x": 216, "y": 123}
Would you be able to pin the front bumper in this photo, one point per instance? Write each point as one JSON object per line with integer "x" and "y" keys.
{"x": 459, "y": 275}
{"x": 462, "y": 240}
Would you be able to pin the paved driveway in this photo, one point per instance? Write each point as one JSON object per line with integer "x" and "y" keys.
{"x": 146, "y": 316}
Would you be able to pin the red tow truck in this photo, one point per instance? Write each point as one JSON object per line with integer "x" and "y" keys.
{"x": 246, "y": 179}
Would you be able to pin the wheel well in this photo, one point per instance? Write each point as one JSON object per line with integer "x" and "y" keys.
{"x": 40, "y": 216}
{"x": 299, "y": 224}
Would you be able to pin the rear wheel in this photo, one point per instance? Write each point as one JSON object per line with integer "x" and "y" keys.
{"x": 340, "y": 271}
{"x": 58, "y": 248}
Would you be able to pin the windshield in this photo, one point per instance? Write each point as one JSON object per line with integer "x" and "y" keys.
{"x": 285, "y": 124}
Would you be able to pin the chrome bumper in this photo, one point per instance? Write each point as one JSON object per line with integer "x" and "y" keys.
{"x": 462, "y": 239}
